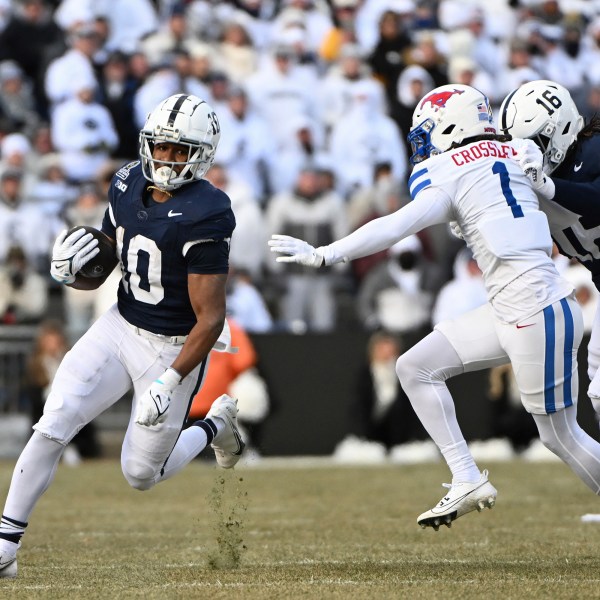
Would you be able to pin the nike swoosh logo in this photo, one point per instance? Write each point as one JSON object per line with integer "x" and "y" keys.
{"x": 8, "y": 562}
{"x": 527, "y": 325}
{"x": 158, "y": 403}
{"x": 240, "y": 443}
{"x": 173, "y": 214}
{"x": 577, "y": 167}
{"x": 443, "y": 506}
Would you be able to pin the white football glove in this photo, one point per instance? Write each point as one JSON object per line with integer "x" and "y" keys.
{"x": 531, "y": 162}
{"x": 153, "y": 404}
{"x": 300, "y": 252}
{"x": 69, "y": 254}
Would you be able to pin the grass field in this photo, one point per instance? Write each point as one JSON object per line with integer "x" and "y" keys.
{"x": 320, "y": 532}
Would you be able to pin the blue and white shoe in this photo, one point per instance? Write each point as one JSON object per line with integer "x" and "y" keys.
{"x": 227, "y": 444}
{"x": 460, "y": 500}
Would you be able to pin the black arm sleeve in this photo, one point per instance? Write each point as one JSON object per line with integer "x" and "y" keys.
{"x": 208, "y": 257}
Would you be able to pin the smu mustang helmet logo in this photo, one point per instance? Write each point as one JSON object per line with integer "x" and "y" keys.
{"x": 438, "y": 99}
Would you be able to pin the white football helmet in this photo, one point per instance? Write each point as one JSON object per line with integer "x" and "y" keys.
{"x": 544, "y": 112}
{"x": 448, "y": 115}
{"x": 180, "y": 119}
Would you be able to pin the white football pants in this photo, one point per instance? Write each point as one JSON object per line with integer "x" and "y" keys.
{"x": 102, "y": 366}
{"x": 543, "y": 351}
{"x": 594, "y": 362}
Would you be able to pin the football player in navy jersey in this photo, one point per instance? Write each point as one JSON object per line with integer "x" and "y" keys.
{"x": 544, "y": 112}
{"x": 171, "y": 230}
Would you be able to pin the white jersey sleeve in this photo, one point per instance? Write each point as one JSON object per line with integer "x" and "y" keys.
{"x": 431, "y": 208}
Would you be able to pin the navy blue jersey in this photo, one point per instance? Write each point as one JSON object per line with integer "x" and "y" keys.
{"x": 576, "y": 229}
{"x": 159, "y": 244}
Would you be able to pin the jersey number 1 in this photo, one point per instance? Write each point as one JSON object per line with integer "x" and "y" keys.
{"x": 499, "y": 168}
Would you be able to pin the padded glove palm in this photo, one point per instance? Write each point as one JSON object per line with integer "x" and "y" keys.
{"x": 71, "y": 253}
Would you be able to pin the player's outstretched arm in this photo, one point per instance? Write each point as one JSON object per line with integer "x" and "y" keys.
{"x": 433, "y": 206}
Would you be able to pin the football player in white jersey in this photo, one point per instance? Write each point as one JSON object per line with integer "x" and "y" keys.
{"x": 465, "y": 172}
{"x": 569, "y": 150}
{"x": 171, "y": 231}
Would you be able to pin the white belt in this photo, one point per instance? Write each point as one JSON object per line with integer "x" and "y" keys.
{"x": 176, "y": 340}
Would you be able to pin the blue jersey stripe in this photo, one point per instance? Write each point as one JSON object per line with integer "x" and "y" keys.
{"x": 416, "y": 176}
{"x": 549, "y": 326}
{"x": 423, "y": 183}
{"x": 569, "y": 335}
{"x": 417, "y": 189}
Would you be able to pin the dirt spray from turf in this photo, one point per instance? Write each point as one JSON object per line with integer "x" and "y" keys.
{"x": 228, "y": 501}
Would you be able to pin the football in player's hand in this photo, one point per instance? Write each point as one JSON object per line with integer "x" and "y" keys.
{"x": 104, "y": 262}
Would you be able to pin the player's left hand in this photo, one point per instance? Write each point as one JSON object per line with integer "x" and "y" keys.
{"x": 299, "y": 251}
{"x": 153, "y": 405}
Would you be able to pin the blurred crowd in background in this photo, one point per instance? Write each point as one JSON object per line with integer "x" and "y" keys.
{"x": 315, "y": 99}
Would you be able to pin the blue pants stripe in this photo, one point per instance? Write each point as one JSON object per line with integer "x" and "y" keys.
{"x": 568, "y": 352}
{"x": 549, "y": 326}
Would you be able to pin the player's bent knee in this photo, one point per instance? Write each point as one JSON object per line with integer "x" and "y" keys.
{"x": 60, "y": 425}
{"x": 139, "y": 476}
{"x": 405, "y": 369}
{"x": 410, "y": 370}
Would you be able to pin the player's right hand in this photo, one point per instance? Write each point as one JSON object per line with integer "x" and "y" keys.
{"x": 70, "y": 253}
{"x": 299, "y": 251}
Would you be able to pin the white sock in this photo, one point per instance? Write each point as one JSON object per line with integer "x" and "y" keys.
{"x": 461, "y": 463}
{"x": 34, "y": 472}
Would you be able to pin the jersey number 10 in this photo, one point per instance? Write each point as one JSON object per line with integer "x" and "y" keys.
{"x": 144, "y": 267}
